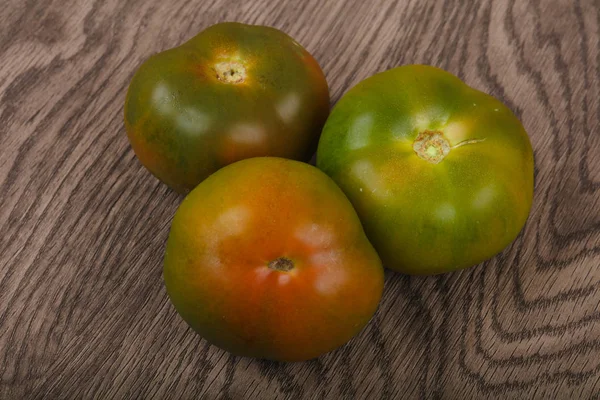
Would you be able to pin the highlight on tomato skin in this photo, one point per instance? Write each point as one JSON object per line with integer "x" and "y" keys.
{"x": 267, "y": 258}
{"x": 233, "y": 91}
{"x": 440, "y": 174}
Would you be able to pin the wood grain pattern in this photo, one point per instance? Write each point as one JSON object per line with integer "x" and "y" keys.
{"x": 83, "y": 310}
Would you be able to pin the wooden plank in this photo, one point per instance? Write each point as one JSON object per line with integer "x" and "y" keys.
{"x": 83, "y": 310}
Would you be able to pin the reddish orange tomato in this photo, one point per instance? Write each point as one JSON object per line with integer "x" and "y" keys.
{"x": 267, "y": 258}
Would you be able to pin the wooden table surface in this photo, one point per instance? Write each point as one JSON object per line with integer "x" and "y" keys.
{"x": 83, "y": 309}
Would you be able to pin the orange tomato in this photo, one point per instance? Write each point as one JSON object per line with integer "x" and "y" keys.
{"x": 267, "y": 258}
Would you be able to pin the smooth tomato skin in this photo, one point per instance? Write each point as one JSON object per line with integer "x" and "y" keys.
{"x": 186, "y": 116}
{"x": 426, "y": 218}
{"x": 241, "y": 218}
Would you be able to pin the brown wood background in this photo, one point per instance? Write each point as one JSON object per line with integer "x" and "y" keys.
{"x": 83, "y": 310}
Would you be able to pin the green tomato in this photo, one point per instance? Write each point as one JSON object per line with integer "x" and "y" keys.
{"x": 233, "y": 91}
{"x": 441, "y": 174}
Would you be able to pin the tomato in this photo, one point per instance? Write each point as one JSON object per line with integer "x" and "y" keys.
{"x": 267, "y": 258}
{"x": 234, "y": 91}
{"x": 441, "y": 174}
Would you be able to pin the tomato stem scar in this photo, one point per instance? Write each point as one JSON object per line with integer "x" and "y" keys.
{"x": 281, "y": 264}
{"x": 432, "y": 146}
{"x": 230, "y": 71}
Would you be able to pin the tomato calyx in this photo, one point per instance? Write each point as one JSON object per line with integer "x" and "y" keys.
{"x": 230, "y": 71}
{"x": 282, "y": 264}
{"x": 431, "y": 146}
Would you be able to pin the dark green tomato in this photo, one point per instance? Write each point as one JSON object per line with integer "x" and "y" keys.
{"x": 441, "y": 174}
{"x": 234, "y": 91}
